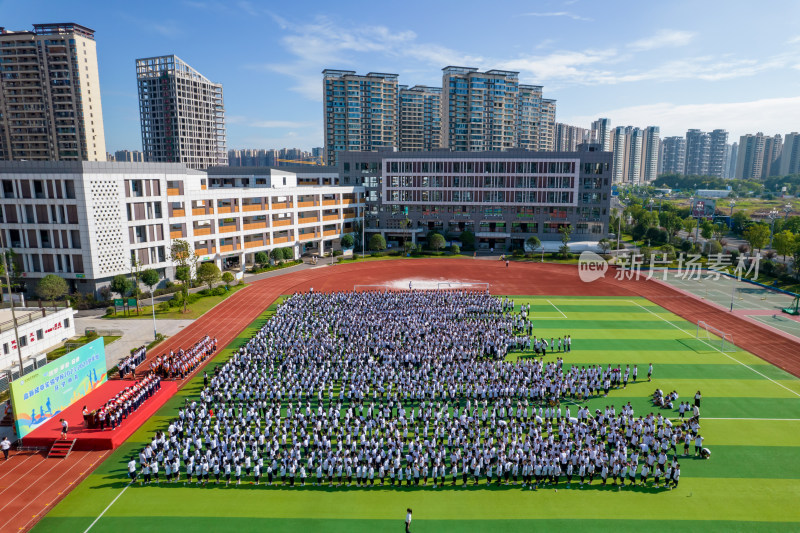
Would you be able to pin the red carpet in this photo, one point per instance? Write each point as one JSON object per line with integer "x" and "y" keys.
{"x": 93, "y": 439}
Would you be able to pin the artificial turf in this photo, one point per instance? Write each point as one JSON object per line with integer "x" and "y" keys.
{"x": 750, "y": 420}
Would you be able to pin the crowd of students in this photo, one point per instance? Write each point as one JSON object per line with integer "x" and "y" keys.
{"x": 183, "y": 362}
{"x": 127, "y": 367}
{"x": 408, "y": 388}
{"x": 126, "y": 401}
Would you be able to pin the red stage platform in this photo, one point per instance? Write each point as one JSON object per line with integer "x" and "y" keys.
{"x": 94, "y": 439}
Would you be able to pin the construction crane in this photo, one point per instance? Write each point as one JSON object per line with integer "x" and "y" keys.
{"x": 315, "y": 161}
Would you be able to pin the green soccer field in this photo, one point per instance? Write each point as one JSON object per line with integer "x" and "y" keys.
{"x": 750, "y": 421}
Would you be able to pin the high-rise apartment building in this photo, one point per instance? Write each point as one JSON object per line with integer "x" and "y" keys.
{"x": 420, "y": 118}
{"x": 479, "y": 109}
{"x": 529, "y": 117}
{"x": 50, "y": 106}
{"x": 602, "y": 133}
{"x": 128, "y": 156}
{"x": 754, "y": 157}
{"x": 698, "y": 146}
{"x": 360, "y": 111}
{"x": 733, "y": 152}
{"x": 673, "y": 155}
{"x": 569, "y": 137}
{"x": 790, "y": 155}
{"x": 772, "y": 154}
{"x": 547, "y": 125}
{"x": 650, "y": 146}
{"x": 717, "y": 153}
{"x": 182, "y": 114}
{"x": 630, "y": 161}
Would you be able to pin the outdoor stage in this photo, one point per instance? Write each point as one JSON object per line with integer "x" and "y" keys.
{"x": 94, "y": 439}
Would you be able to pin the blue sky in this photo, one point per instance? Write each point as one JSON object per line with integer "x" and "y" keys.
{"x": 675, "y": 64}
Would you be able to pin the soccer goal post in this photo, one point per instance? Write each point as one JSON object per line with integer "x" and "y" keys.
{"x": 462, "y": 286}
{"x": 714, "y": 337}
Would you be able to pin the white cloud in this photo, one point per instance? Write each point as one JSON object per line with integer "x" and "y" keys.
{"x": 566, "y": 14}
{"x": 771, "y": 115}
{"x": 662, "y": 39}
{"x": 794, "y": 40}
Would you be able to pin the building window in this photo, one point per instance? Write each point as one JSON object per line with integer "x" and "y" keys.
{"x": 5, "y": 349}
{"x": 23, "y": 341}
{"x": 66, "y": 322}
{"x": 39, "y": 334}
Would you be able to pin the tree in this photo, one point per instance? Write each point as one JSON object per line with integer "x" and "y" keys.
{"x": 51, "y": 287}
{"x": 706, "y": 229}
{"x": 276, "y": 254}
{"x": 689, "y": 224}
{"x": 638, "y": 232}
{"x": 565, "y": 232}
{"x": 185, "y": 260}
{"x": 533, "y": 242}
{"x": 288, "y": 253}
{"x": 208, "y": 274}
{"x": 604, "y": 245}
{"x": 228, "y": 278}
{"x": 467, "y": 239}
{"x": 261, "y": 258}
{"x": 377, "y": 242}
{"x": 670, "y": 222}
{"x": 150, "y": 278}
{"x": 435, "y": 241}
{"x": 121, "y": 285}
{"x": 713, "y": 248}
{"x": 348, "y": 241}
{"x": 740, "y": 221}
{"x": 784, "y": 243}
{"x": 757, "y": 235}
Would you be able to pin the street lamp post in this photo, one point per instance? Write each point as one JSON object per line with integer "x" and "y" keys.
{"x": 697, "y": 226}
{"x": 772, "y": 216}
{"x": 732, "y": 204}
{"x": 787, "y": 209}
{"x": 619, "y": 227}
{"x": 650, "y": 203}
{"x": 11, "y": 300}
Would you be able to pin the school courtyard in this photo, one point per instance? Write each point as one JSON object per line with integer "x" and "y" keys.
{"x": 750, "y": 421}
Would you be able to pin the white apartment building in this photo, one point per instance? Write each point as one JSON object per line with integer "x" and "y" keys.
{"x": 87, "y": 221}
{"x": 50, "y": 108}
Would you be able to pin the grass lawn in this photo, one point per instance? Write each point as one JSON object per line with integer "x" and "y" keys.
{"x": 194, "y": 310}
{"x": 751, "y": 422}
{"x": 58, "y": 352}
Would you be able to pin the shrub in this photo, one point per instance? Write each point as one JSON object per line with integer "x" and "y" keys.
{"x": 517, "y": 253}
{"x": 288, "y": 253}
{"x": 337, "y": 253}
{"x": 455, "y": 249}
{"x": 162, "y": 307}
{"x": 110, "y": 311}
{"x": 219, "y": 291}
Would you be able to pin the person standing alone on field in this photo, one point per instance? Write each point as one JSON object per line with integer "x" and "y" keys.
{"x": 408, "y": 520}
{"x": 5, "y": 445}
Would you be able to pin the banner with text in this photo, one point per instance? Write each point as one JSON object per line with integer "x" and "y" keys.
{"x": 44, "y": 393}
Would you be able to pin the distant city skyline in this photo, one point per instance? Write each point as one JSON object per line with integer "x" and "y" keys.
{"x": 728, "y": 65}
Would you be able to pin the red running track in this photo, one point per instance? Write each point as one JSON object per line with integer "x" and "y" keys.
{"x": 30, "y": 484}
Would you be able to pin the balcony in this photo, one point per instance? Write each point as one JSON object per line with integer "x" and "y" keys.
{"x": 280, "y": 240}
{"x": 178, "y": 234}
{"x": 252, "y": 207}
{"x": 255, "y": 225}
{"x": 178, "y": 213}
{"x": 205, "y": 230}
{"x": 305, "y": 204}
{"x": 226, "y": 248}
{"x": 350, "y": 215}
{"x": 307, "y": 220}
{"x": 200, "y": 211}
{"x": 173, "y": 192}
{"x": 307, "y": 236}
{"x": 329, "y": 202}
{"x": 281, "y": 222}
{"x": 227, "y": 229}
{"x": 283, "y": 205}
{"x": 226, "y": 209}
{"x": 330, "y": 233}
{"x": 328, "y": 218}
{"x": 253, "y": 244}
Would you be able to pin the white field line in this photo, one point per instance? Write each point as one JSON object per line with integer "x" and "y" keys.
{"x": 766, "y": 419}
{"x": 715, "y": 348}
{"x": 109, "y": 507}
{"x": 557, "y": 309}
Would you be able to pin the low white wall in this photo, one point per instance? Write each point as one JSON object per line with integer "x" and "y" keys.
{"x": 54, "y": 328}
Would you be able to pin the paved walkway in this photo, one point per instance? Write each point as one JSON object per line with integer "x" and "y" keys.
{"x": 135, "y": 332}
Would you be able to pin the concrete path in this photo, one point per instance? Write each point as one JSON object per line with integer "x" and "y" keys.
{"x": 135, "y": 333}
